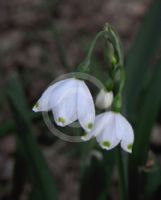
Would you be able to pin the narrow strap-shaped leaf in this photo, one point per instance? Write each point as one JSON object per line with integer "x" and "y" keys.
{"x": 9, "y": 126}
{"x": 141, "y": 54}
{"x": 40, "y": 173}
{"x": 145, "y": 122}
{"x": 153, "y": 182}
{"x": 20, "y": 172}
{"x": 96, "y": 176}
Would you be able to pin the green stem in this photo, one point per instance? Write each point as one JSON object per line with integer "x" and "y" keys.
{"x": 122, "y": 181}
{"x": 123, "y": 77}
{"x": 99, "y": 34}
{"x": 109, "y": 35}
{"x": 113, "y": 37}
{"x": 117, "y": 103}
{"x": 84, "y": 66}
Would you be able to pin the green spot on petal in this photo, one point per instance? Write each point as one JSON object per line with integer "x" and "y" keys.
{"x": 90, "y": 126}
{"x": 106, "y": 143}
{"x": 85, "y": 136}
{"x": 130, "y": 146}
{"x": 61, "y": 119}
{"x": 36, "y": 105}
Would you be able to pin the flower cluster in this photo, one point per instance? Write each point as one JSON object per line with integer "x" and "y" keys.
{"x": 70, "y": 100}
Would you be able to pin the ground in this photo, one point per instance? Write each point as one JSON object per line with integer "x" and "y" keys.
{"x": 29, "y": 34}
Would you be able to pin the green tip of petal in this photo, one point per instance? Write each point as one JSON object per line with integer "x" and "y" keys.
{"x": 61, "y": 119}
{"x": 90, "y": 126}
{"x": 106, "y": 144}
{"x": 130, "y": 146}
{"x": 36, "y": 106}
{"x": 85, "y": 136}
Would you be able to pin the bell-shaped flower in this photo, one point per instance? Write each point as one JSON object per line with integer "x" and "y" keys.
{"x": 110, "y": 129}
{"x": 104, "y": 99}
{"x": 69, "y": 100}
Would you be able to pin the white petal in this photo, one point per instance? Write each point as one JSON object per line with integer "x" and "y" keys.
{"x": 62, "y": 91}
{"x": 120, "y": 122}
{"x": 99, "y": 124}
{"x": 42, "y": 104}
{"x": 128, "y": 137}
{"x": 85, "y": 107}
{"x": 108, "y": 139}
{"x": 53, "y": 95}
{"x": 124, "y": 131}
{"x": 66, "y": 112}
{"x": 104, "y": 99}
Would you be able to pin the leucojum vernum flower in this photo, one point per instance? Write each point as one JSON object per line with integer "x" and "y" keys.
{"x": 68, "y": 100}
{"x": 71, "y": 100}
{"x": 110, "y": 129}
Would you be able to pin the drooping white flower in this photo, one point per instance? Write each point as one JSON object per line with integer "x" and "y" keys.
{"x": 110, "y": 129}
{"x": 104, "y": 99}
{"x": 69, "y": 100}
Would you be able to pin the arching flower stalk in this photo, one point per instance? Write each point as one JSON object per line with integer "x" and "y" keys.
{"x": 112, "y": 128}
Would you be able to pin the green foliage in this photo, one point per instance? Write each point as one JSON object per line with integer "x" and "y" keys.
{"x": 139, "y": 59}
{"x": 142, "y": 104}
{"x": 42, "y": 179}
{"x": 96, "y": 173}
{"x": 148, "y": 114}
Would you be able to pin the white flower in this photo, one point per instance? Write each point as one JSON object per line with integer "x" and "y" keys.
{"x": 110, "y": 129}
{"x": 69, "y": 100}
{"x": 104, "y": 99}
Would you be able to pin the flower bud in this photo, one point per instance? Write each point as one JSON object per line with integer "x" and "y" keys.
{"x": 104, "y": 99}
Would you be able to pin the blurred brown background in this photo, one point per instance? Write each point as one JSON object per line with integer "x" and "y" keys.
{"x": 29, "y": 31}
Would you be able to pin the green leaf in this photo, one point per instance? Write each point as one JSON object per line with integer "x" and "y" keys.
{"x": 140, "y": 56}
{"x": 96, "y": 174}
{"x": 149, "y": 111}
{"x": 39, "y": 172}
{"x": 9, "y": 126}
{"x": 145, "y": 121}
{"x": 153, "y": 183}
